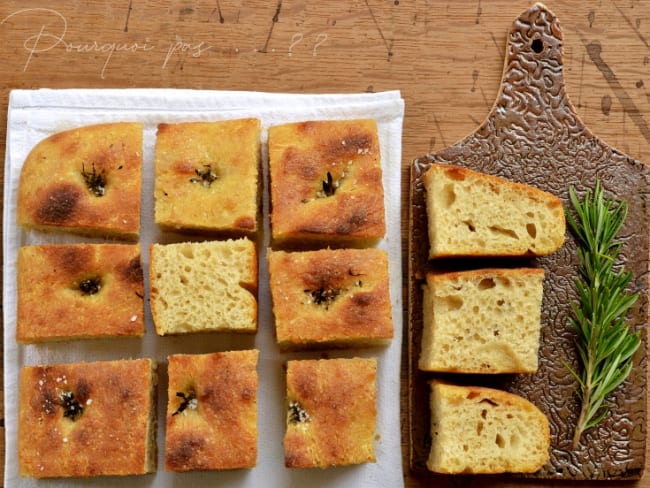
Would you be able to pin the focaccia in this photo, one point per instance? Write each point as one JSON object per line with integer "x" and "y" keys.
{"x": 326, "y": 182}
{"x": 87, "y": 419}
{"x": 86, "y": 180}
{"x": 206, "y": 175}
{"x": 79, "y": 291}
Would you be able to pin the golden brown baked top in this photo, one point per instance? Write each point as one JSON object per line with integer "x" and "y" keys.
{"x": 86, "y": 419}
{"x": 326, "y": 181}
{"x": 85, "y": 180}
{"x": 330, "y": 297}
{"x": 68, "y": 291}
{"x": 207, "y": 175}
{"x": 331, "y": 412}
{"x": 212, "y": 411}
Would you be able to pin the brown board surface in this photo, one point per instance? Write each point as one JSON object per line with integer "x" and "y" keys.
{"x": 534, "y": 136}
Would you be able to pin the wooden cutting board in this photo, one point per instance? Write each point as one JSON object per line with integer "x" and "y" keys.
{"x": 534, "y": 136}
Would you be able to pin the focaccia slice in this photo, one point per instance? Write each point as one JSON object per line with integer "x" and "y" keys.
{"x": 86, "y": 181}
{"x": 207, "y": 176}
{"x": 326, "y": 182}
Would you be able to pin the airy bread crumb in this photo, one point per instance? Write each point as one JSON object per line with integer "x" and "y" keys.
{"x": 482, "y": 321}
{"x": 204, "y": 286}
{"x": 483, "y": 430}
{"x": 475, "y": 214}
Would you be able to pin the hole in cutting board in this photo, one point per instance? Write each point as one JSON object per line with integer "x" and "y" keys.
{"x": 537, "y": 45}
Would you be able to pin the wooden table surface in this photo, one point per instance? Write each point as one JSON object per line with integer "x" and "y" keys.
{"x": 445, "y": 57}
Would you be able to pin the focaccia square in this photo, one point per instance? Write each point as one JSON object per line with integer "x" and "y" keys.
{"x": 330, "y": 298}
{"x": 79, "y": 291}
{"x": 331, "y": 412}
{"x": 326, "y": 182}
{"x": 86, "y": 181}
{"x": 87, "y": 419}
{"x": 212, "y": 411}
{"x": 206, "y": 175}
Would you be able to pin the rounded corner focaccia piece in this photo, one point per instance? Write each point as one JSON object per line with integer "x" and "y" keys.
{"x": 478, "y": 430}
{"x": 86, "y": 181}
{"x": 207, "y": 175}
{"x": 326, "y": 182}
{"x": 79, "y": 291}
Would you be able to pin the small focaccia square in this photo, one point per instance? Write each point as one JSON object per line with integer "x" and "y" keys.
{"x": 87, "y": 419}
{"x": 206, "y": 175}
{"x": 79, "y": 291}
{"x": 326, "y": 182}
{"x": 330, "y": 298}
{"x": 331, "y": 412}
{"x": 477, "y": 430}
{"x": 212, "y": 411}
{"x": 86, "y": 181}
{"x": 204, "y": 286}
{"x": 482, "y": 321}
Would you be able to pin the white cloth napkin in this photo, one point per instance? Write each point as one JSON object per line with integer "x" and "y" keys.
{"x": 33, "y": 115}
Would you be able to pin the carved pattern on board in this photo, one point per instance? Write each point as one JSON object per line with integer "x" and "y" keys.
{"x": 533, "y": 135}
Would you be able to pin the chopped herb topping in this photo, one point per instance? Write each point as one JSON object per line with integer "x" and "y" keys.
{"x": 188, "y": 401}
{"x": 329, "y": 186}
{"x": 72, "y": 409}
{"x": 90, "y": 286}
{"x": 205, "y": 176}
{"x": 323, "y": 296}
{"x": 95, "y": 181}
{"x": 297, "y": 414}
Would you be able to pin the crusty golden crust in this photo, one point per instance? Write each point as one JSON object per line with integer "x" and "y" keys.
{"x": 207, "y": 175}
{"x": 330, "y": 297}
{"x": 326, "y": 181}
{"x": 212, "y": 411}
{"x": 86, "y": 419}
{"x": 85, "y": 180}
{"x": 331, "y": 412}
{"x": 75, "y": 291}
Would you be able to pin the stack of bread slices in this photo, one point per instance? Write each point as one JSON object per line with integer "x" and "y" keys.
{"x": 486, "y": 320}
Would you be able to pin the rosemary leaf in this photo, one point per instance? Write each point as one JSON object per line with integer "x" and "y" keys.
{"x": 604, "y": 342}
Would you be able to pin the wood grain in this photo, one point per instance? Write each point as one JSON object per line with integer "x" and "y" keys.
{"x": 445, "y": 57}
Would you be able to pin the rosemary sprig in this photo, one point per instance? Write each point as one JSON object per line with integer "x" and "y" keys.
{"x": 605, "y": 343}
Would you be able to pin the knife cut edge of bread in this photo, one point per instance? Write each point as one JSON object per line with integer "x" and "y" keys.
{"x": 475, "y": 214}
{"x": 485, "y": 430}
